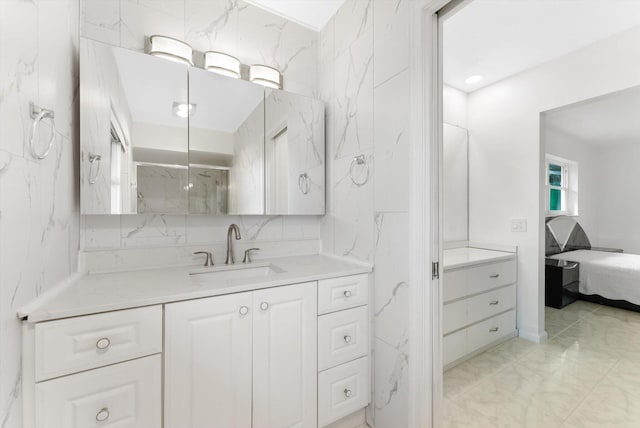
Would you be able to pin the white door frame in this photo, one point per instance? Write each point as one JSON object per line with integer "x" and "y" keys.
{"x": 425, "y": 338}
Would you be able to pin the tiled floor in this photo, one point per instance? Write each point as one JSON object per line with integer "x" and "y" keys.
{"x": 586, "y": 376}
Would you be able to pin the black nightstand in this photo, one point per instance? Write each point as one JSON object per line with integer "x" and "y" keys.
{"x": 561, "y": 282}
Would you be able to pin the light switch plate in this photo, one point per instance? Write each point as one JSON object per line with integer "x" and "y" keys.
{"x": 518, "y": 224}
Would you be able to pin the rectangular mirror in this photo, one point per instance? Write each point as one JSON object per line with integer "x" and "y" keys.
{"x": 134, "y": 137}
{"x": 294, "y": 154}
{"x": 455, "y": 174}
{"x": 226, "y": 145}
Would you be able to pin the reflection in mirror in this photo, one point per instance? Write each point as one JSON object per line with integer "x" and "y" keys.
{"x": 134, "y": 137}
{"x": 294, "y": 154}
{"x": 226, "y": 145}
{"x": 455, "y": 183}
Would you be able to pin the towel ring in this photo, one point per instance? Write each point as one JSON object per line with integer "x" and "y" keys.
{"x": 38, "y": 114}
{"x": 361, "y": 162}
{"x": 94, "y": 160}
{"x": 304, "y": 183}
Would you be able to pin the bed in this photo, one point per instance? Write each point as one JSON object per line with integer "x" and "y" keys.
{"x": 606, "y": 277}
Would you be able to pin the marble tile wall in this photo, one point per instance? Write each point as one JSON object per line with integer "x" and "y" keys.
{"x": 363, "y": 78}
{"x": 232, "y": 26}
{"x": 39, "y": 199}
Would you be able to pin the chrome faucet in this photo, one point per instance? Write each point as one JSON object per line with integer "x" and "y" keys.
{"x": 232, "y": 228}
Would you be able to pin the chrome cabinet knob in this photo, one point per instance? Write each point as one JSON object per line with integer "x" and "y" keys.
{"x": 494, "y": 302}
{"x": 103, "y": 343}
{"x": 244, "y": 310}
{"x": 347, "y": 339}
{"x": 347, "y": 293}
{"x": 102, "y": 415}
{"x": 495, "y": 275}
{"x": 264, "y": 306}
{"x": 347, "y": 393}
{"x": 494, "y": 329}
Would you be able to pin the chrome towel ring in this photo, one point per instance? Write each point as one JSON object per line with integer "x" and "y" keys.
{"x": 94, "y": 160}
{"x": 359, "y": 171}
{"x": 38, "y": 114}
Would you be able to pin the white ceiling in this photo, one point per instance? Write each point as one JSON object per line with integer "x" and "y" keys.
{"x": 500, "y": 38}
{"x": 313, "y": 14}
{"x": 610, "y": 119}
{"x": 151, "y": 86}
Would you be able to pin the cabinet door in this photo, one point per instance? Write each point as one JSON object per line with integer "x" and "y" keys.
{"x": 285, "y": 357}
{"x": 208, "y": 363}
{"x": 125, "y": 395}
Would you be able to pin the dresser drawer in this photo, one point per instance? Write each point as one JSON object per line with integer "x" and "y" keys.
{"x": 454, "y": 316}
{"x": 342, "y": 336}
{"x": 342, "y": 390}
{"x": 76, "y": 344}
{"x": 454, "y": 346}
{"x": 489, "y": 331}
{"x": 342, "y": 293}
{"x": 125, "y": 395}
{"x": 462, "y": 282}
{"x": 490, "y": 303}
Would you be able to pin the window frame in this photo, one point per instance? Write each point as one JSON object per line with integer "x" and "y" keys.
{"x": 564, "y": 188}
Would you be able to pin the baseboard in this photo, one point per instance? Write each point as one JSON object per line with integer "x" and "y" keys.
{"x": 354, "y": 420}
{"x": 533, "y": 336}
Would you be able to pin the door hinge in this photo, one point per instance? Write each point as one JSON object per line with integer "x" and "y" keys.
{"x": 435, "y": 270}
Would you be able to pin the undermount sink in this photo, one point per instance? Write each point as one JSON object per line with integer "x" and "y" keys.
{"x": 229, "y": 272}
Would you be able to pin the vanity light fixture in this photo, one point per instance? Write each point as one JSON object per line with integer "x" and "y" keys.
{"x": 222, "y": 63}
{"x": 170, "y": 48}
{"x": 471, "y": 80}
{"x": 183, "y": 110}
{"x": 266, "y": 76}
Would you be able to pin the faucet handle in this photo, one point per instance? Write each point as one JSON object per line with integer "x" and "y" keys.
{"x": 247, "y": 255}
{"x": 209, "y": 260}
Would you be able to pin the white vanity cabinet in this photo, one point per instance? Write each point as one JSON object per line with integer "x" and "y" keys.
{"x": 100, "y": 370}
{"x": 227, "y": 355}
{"x": 479, "y": 304}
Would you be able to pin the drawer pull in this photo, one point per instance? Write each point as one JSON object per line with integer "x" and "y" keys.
{"x": 494, "y": 302}
{"x": 264, "y": 306}
{"x": 347, "y": 393}
{"x": 102, "y": 415}
{"x": 494, "y": 329}
{"x": 347, "y": 339}
{"x": 347, "y": 293}
{"x": 103, "y": 343}
{"x": 495, "y": 275}
{"x": 244, "y": 310}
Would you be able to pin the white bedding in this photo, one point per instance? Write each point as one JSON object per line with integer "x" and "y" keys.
{"x": 615, "y": 276}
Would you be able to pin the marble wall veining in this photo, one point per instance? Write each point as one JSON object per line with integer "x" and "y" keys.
{"x": 364, "y": 81}
{"x": 39, "y": 199}
{"x": 253, "y": 36}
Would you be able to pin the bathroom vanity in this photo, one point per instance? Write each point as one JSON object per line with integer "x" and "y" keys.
{"x": 193, "y": 347}
{"x": 479, "y": 294}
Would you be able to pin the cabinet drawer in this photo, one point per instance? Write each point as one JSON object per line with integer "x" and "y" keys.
{"x": 342, "y": 293}
{"x": 126, "y": 395}
{"x": 473, "y": 280}
{"x": 342, "y": 336}
{"x": 489, "y": 331}
{"x": 342, "y": 390}
{"x": 454, "y": 346}
{"x": 454, "y": 316}
{"x": 76, "y": 344}
{"x": 490, "y": 303}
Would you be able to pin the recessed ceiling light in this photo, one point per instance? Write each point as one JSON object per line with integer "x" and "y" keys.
{"x": 183, "y": 110}
{"x": 473, "y": 79}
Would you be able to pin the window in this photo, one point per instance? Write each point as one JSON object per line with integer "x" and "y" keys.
{"x": 561, "y": 183}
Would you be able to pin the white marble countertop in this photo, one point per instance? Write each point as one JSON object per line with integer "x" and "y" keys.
{"x": 463, "y": 257}
{"x": 89, "y": 294}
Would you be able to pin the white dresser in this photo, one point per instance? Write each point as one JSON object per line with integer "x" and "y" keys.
{"x": 479, "y": 294}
